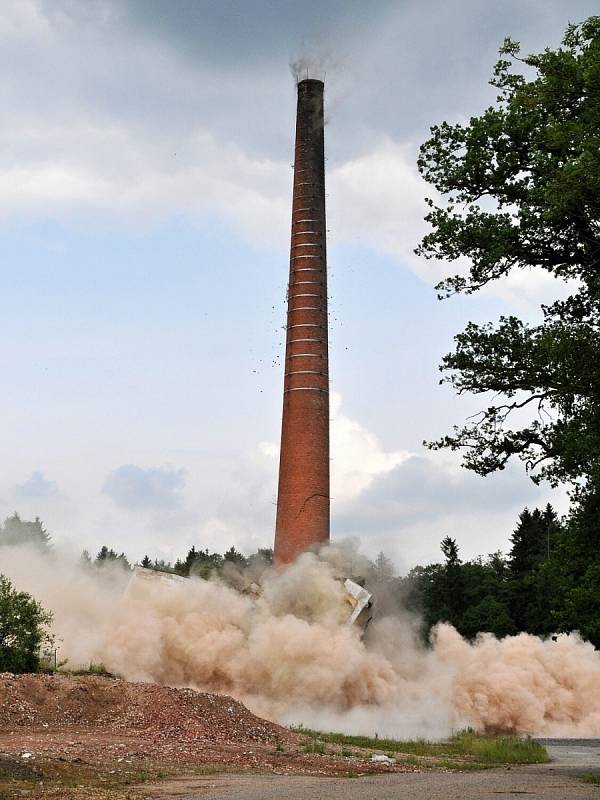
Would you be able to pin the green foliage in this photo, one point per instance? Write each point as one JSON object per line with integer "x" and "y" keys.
{"x": 453, "y": 589}
{"x": 490, "y": 615}
{"x": 382, "y": 569}
{"x": 199, "y": 563}
{"x": 591, "y": 777}
{"x": 233, "y": 556}
{"x": 522, "y": 190}
{"x": 473, "y": 596}
{"x": 265, "y": 553}
{"x": 93, "y": 668}
{"x": 160, "y": 565}
{"x": 23, "y": 629}
{"x": 533, "y": 586}
{"x": 549, "y": 583}
{"x": 314, "y": 746}
{"x": 109, "y": 556}
{"x": 16, "y": 531}
{"x": 576, "y": 571}
{"x": 499, "y": 749}
{"x": 533, "y": 539}
{"x": 314, "y": 741}
{"x": 482, "y": 749}
{"x": 202, "y": 563}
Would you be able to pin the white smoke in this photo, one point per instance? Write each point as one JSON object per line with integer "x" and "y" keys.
{"x": 290, "y": 656}
{"x": 308, "y": 66}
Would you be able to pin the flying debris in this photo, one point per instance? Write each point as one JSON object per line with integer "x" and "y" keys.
{"x": 357, "y": 597}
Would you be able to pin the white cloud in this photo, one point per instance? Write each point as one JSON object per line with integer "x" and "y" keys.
{"x": 358, "y": 456}
{"x": 409, "y": 509}
{"x": 107, "y": 170}
{"x": 172, "y": 136}
{"x": 244, "y": 515}
{"x": 138, "y": 488}
{"x": 376, "y": 199}
{"x": 36, "y": 487}
{"x": 391, "y": 500}
{"x": 22, "y": 20}
{"x": 401, "y": 502}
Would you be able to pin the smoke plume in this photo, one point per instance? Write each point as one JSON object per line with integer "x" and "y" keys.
{"x": 289, "y": 654}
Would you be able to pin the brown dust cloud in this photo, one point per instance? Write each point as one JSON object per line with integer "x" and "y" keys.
{"x": 288, "y": 653}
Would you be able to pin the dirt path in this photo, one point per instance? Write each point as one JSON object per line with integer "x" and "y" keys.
{"x": 530, "y": 782}
{"x": 556, "y": 781}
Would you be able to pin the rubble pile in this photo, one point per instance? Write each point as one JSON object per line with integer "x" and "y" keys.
{"x": 100, "y": 702}
{"x": 105, "y": 730}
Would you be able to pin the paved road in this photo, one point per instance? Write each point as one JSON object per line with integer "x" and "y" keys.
{"x": 556, "y": 781}
{"x": 577, "y": 753}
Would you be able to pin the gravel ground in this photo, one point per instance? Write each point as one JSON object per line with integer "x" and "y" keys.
{"x": 96, "y": 738}
{"x": 534, "y": 783}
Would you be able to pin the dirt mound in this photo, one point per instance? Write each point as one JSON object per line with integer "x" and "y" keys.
{"x": 107, "y": 703}
{"x": 95, "y": 734}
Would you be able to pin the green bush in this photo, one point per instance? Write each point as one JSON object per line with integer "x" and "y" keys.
{"x": 480, "y": 748}
{"x": 23, "y": 629}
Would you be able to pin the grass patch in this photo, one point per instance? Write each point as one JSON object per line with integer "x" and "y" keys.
{"x": 498, "y": 749}
{"x": 428, "y": 762}
{"x": 15, "y": 769}
{"x": 475, "y": 748}
{"x": 314, "y": 746}
{"x": 137, "y": 776}
{"x": 91, "y": 669}
{"x": 591, "y": 777}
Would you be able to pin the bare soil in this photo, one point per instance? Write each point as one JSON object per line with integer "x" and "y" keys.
{"x": 99, "y": 737}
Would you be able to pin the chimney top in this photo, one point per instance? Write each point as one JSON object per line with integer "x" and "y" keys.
{"x": 311, "y": 80}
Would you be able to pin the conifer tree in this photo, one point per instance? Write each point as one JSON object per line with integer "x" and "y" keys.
{"x": 16, "y": 531}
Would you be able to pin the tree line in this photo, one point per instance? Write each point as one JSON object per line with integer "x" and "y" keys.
{"x": 547, "y": 583}
{"x": 197, "y": 562}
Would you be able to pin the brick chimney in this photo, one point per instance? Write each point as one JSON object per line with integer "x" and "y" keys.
{"x": 303, "y": 496}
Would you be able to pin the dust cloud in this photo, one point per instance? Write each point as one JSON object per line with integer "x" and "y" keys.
{"x": 307, "y": 66}
{"x": 289, "y": 654}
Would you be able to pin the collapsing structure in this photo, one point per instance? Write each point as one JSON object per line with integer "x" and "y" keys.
{"x": 143, "y": 581}
{"x": 303, "y": 495}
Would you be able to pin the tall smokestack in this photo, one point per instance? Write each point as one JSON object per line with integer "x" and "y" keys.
{"x": 303, "y": 496}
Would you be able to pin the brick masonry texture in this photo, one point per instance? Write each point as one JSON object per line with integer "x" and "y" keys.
{"x": 303, "y": 496}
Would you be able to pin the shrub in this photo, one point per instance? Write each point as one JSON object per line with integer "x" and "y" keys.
{"x": 23, "y": 629}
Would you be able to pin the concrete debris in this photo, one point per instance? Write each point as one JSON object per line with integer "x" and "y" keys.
{"x": 358, "y": 597}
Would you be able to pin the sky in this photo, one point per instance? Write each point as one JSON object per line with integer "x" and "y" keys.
{"x": 145, "y": 198}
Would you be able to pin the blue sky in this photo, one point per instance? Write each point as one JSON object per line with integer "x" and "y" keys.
{"x": 144, "y": 223}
